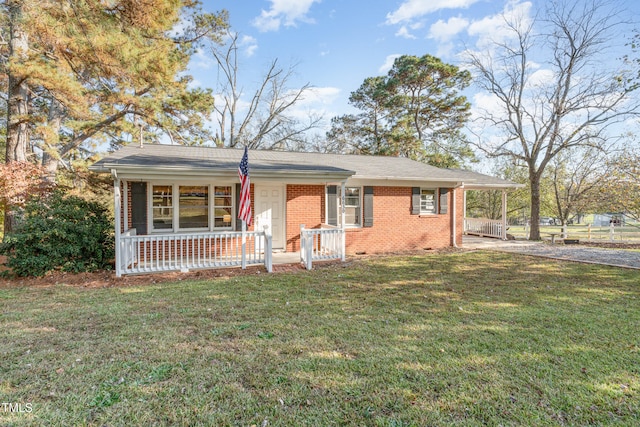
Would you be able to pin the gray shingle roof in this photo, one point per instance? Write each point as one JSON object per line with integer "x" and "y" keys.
{"x": 165, "y": 158}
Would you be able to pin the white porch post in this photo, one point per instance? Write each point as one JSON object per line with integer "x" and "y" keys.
{"x": 343, "y": 220}
{"x": 117, "y": 206}
{"x": 504, "y": 215}
{"x": 125, "y": 205}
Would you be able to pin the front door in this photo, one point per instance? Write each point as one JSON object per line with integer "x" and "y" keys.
{"x": 270, "y": 212}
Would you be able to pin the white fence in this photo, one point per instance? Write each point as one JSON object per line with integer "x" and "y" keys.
{"x": 183, "y": 252}
{"x": 320, "y": 244}
{"x": 483, "y": 227}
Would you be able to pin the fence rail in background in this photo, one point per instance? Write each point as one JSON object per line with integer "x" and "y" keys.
{"x": 183, "y": 252}
{"x": 321, "y": 244}
{"x": 628, "y": 233}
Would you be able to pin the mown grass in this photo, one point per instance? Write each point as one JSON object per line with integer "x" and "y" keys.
{"x": 448, "y": 339}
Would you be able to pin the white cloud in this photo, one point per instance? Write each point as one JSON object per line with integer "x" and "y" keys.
{"x": 493, "y": 29}
{"x": 412, "y": 9}
{"x": 249, "y": 45}
{"x": 540, "y": 78}
{"x": 404, "y": 32}
{"x": 388, "y": 63}
{"x": 445, "y": 31}
{"x": 201, "y": 60}
{"x": 284, "y": 12}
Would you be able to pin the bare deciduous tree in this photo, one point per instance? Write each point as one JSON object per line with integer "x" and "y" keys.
{"x": 555, "y": 86}
{"x": 266, "y": 122}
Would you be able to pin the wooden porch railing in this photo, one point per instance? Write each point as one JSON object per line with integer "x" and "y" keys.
{"x": 186, "y": 251}
{"x": 320, "y": 244}
{"x": 483, "y": 227}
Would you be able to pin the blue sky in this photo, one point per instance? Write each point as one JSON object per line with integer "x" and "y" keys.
{"x": 336, "y": 44}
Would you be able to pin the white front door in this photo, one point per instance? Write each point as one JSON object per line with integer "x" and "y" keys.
{"x": 270, "y": 212}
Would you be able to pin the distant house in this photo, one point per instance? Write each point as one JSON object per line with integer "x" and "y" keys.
{"x": 178, "y": 205}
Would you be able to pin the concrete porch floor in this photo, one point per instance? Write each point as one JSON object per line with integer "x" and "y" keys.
{"x": 285, "y": 258}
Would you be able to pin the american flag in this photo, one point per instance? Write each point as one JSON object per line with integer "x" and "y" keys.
{"x": 244, "y": 209}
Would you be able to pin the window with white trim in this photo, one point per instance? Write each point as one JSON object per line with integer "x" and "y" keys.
{"x": 352, "y": 207}
{"x": 187, "y": 207}
{"x": 428, "y": 201}
{"x": 193, "y": 209}
{"x": 223, "y": 207}
{"x": 162, "y": 210}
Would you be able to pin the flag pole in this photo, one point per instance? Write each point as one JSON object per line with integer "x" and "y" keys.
{"x": 244, "y": 204}
{"x": 244, "y": 244}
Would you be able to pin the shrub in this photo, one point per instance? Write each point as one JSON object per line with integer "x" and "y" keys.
{"x": 58, "y": 232}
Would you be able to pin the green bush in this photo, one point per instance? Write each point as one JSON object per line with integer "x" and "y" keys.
{"x": 59, "y": 232}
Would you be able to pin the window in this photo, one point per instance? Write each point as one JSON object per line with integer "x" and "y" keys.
{"x": 194, "y": 207}
{"x": 188, "y": 207}
{"x": 162, "y": 207}
{"x": 223, "y": 207}
{"x": 352, "y": 211}
{"x": 428, "y": 202}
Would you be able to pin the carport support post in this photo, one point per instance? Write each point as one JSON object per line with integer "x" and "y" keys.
{"x": 504, "y": 215}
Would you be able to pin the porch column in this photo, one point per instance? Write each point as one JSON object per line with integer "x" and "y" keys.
{"x": 125, "y": 205}
{"x": 504, "y": 215}
{"x": 117, "y": 206}
{"x": 464, "y": 210}
{"x": 343, "y": 219}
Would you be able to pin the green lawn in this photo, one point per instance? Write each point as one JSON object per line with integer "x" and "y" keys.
{"x": 459, "y": 338}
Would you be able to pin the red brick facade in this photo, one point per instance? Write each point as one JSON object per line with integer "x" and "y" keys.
{"x": 394, "y": 227}
{"x": 305, "y": 205}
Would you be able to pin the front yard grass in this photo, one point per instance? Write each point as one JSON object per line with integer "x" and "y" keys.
{"x": 462, "y": 338}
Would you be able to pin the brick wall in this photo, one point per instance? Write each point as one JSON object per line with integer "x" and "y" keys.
{"x": 394, "y": 228}
{"x": 305, "y": 205}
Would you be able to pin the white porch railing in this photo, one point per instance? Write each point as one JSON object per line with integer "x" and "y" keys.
{"x": 483, "y": 227}
{"x": 183, "y": 252}
{"x": 320, "y": 244}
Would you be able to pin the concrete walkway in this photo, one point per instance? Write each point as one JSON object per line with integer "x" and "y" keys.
{"x": 613, "y": 257}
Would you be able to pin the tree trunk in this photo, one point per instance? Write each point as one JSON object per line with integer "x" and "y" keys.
{"x": 534, "y": 179}
{"x": 17, "y": 101}
{"x": 18, "y": 93}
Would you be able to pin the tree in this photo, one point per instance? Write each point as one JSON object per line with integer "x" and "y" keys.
{"x": 86, "y": 72}
{"x": 414, "y": 111}
{"x": 620, "y": 190}
{"x": 572, "y": 102}
{"x": 81, "y": 73}
{"x": 267, "y": 121}
{"x": 576, "y": 177}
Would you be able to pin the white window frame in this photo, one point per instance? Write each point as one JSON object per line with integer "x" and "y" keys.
{"x": 339, "y": 204}
{"x": 175, "y": 206}
{"x": 436, "y": 197}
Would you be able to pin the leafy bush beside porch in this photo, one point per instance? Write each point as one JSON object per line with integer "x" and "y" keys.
{"x": 59, "y": 232}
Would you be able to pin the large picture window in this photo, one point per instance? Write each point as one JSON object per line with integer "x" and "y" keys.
{"x": 188, "y": 207}
{"x": 194, "y": 207}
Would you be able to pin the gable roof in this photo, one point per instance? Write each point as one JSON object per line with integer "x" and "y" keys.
{"x": 152, "y": 160}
